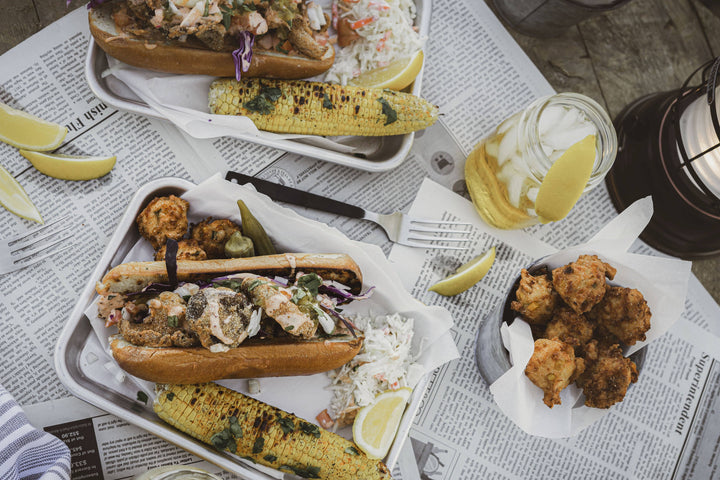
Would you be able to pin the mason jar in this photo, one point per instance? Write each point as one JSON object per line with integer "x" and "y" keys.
{"x": 505, "y": 170}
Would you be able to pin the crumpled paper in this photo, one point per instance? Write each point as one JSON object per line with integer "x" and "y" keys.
{"x": 183, "y": 100}
{"x": 662, "y": 281}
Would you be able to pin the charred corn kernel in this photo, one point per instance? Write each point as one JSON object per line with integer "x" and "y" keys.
{"x": 230, "y": 421}
{"x": 315, "y": 108}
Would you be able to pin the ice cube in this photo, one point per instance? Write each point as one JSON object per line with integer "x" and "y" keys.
{"x": 532, "y": 194}
{"x": 562, "y": 139}
{"x": 514, "y": 189}
{"x": 549, "y": 118}
{"x": 491, "y": 147}
{"x": 508, "y": 145}
{"x": 510, "y": 122}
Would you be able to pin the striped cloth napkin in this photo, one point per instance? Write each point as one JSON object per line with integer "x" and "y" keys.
{"x": 25, "y": 452}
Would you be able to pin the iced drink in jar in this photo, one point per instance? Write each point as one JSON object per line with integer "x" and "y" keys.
{"x": 505, "y": 171}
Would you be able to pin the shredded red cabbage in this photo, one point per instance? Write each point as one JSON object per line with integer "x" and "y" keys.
{"x": 91, "y": 3}
{"x": 243, "y": 54}
{"x": 347, "y": 323}
{"x": 344, "y": 295}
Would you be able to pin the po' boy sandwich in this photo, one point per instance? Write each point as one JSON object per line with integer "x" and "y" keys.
{"x": 196, "y": 321}
{"x": 284, "y": 39}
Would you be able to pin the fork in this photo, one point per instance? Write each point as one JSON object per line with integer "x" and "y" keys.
{"x": 399, "y": 227}
{"x": 33, "y": 246}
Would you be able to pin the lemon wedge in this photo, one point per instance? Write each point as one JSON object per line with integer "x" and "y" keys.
{"x": 22, "y": 130}
{"x": 565, "y": 181}
{"x": 466, "y": 276}
{"x": 376, "y": 424}
{"x": 70, "y": 167}
{"x": 14, "y": 198}
{"x": 396, "y": 76}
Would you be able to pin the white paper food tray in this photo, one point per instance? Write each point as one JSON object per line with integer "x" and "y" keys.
{"x": 89, "y": 378}
{"x": 390, "y": 154}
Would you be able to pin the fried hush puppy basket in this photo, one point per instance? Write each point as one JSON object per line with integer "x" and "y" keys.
{"x": 568, "y": 342}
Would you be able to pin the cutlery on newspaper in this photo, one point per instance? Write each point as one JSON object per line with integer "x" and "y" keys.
{"x": 34, "y": 246}
{"x": 399, "y": 227}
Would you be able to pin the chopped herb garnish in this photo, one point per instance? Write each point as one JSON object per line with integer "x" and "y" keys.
{"x": 231, "y": 284}
{"x": 258, "y": 445}
{"x": 309, "y": 471}
{"x": 224, "y": 441}
{"x": 227, "y": 14}
{"x": 298, "y": 295}
{"x": 235, "y": 428}
{"x": 207, "y": 9}
{"x": 172, "y": 320}
{"x": 289, "y": 327}
{"x": 310, "y": 429}
{"x": 310, "y": 282}
{"x": 286, "y": 424}
{"x": 327, "y": 103}
{"x": 270, "y": 458}
{"x": 142, "y": 397}
{"x": 254, "y": 284}
{"x": 352, "y": 451}
{"x": 388, "y": 111}
{"x": 170, "y": 396}
{"x": 186, "y": 298}
{"x": 271, "y": 93}
{"x": 264, "y": 103}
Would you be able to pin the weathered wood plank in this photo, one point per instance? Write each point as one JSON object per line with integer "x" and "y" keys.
{"x": 18, "y": 21}
{"x": 563, "y": 60}
{"x": 710, "y": 22}
{"x": 643, "y": 47}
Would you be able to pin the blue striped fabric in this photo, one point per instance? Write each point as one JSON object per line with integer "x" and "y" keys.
{"x": 25, "y": 452}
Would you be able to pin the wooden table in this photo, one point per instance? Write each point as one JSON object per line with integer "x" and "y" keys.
{"x": 643, "y": 47}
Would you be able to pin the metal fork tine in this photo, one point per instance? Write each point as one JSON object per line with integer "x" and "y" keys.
{"x": 38, "y": 259}
{"x": 429, "y": 238}
{"x": 41, "y": 248}
{"x": 439, "y": 222}
{"x": 436, "y": 247}
{"x": 16, "y": 247}
{"x": 439, "y": 230}
{"x": 36, "y": 230}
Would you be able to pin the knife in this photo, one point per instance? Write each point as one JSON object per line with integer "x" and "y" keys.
{"x": 297, "y": 197}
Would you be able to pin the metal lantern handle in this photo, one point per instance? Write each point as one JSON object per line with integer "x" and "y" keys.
{"x": 710, "y": 70}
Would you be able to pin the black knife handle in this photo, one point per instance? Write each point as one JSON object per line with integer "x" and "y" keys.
{"x": 298, "y": 197}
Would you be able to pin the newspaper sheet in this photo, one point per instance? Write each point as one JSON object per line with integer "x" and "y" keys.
{"x": 668, "y": 428}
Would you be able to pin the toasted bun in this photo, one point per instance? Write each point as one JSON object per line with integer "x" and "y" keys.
{"x": 134, "y": 276}
{"x": 192, "y": 57}
{"x": 252, "y": 359}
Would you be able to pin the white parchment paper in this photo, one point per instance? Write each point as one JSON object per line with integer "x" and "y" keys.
{"x": 183, "y": 100}
{"x": 432, "y": 343}
{"x": 662, "y": 281}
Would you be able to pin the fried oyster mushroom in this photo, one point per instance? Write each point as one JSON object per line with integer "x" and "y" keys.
{"x": 213, "y": 234}
{"x": 188, "y": 249}
{"x": 535, "y": 298}
{"x": 581, "y": 284}
{"x": 607, "y": 375}
{"x": 623, "y": 315}
{"x": 163, "y": 218}
{"x": 570, "y": 327}
{"x": 552, "y": 367}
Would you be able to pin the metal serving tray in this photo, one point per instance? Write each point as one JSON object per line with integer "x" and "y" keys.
{"x": 81, "y": 377}
{"x": 392, "y": 152}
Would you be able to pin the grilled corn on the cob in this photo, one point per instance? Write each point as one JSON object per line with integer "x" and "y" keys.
{"x": 264, "y": 434}
{"x": 320, "y": 108}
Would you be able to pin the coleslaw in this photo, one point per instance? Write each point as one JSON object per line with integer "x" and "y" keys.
{"x": 385, "y": 362}
{"x": 386, "y": 34}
